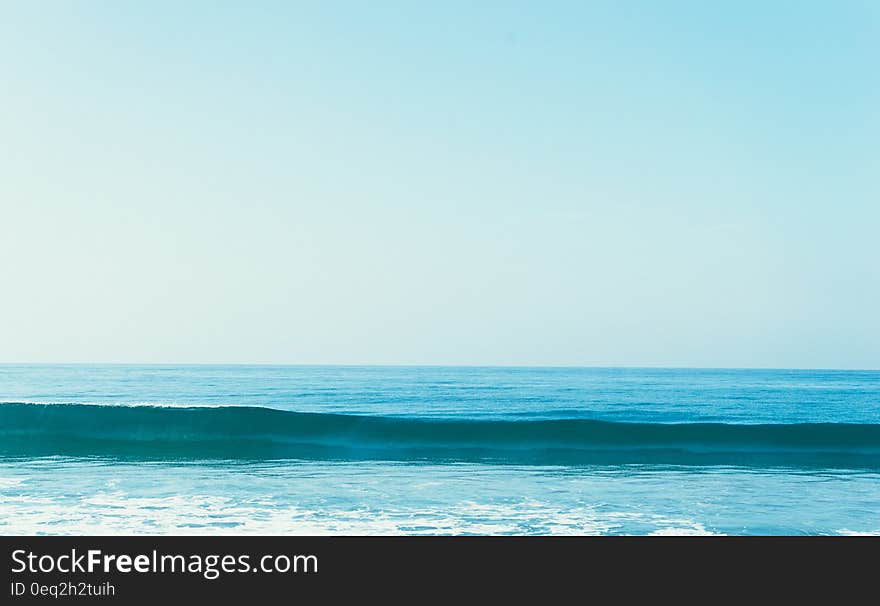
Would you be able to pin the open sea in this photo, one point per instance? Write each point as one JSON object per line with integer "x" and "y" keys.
{"x": 117, "y": 449}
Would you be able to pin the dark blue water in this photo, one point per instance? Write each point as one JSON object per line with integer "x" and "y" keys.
{"x": 125, "y": 449}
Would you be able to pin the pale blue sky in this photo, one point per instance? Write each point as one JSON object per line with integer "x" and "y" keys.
{"x": 562, "y": 183}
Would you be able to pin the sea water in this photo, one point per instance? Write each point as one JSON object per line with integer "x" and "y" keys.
{"x": 117, "y": 449}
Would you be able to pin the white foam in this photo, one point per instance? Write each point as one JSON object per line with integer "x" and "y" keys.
{"x": 11, "y": 482}
{"x": 111, "y": 513}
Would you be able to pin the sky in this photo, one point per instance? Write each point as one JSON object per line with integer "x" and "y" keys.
{"x": 641, "y": 183}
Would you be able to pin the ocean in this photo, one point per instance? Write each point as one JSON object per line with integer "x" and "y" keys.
{"x": 152, "y": 449}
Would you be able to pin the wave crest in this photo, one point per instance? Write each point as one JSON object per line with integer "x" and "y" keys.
{"x": 235, "y": 432}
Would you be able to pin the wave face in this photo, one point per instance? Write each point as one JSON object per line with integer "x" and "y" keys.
{"x": 229, "y": 433}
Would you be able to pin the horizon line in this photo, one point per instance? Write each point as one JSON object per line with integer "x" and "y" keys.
{"x": 436, "y": 365}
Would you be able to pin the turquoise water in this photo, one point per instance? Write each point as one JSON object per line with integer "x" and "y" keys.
{"x": 360, "y": 450}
